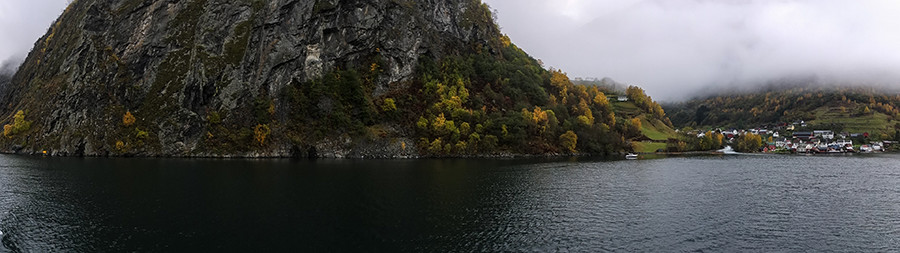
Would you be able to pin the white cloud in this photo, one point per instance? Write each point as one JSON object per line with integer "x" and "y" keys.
{"x": 670, "y": 47}
{"x": 22, "y": 22}
{"x": 675, "y": 47}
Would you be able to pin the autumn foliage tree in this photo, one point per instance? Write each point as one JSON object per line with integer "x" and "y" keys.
{"x": 540, "y": 121}
{"x": 505, "y": 101}
{"x": 569, "y": 140}
{"x": 18, "y": 125}
{"x": 748, "y": 143}
{"x": 643, "y": 101}
{"x": 389, "y": 105}
{"x": 128, "y": 119}
{"x": 261, "y": 132}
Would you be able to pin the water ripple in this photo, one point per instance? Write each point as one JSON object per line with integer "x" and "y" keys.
{"x": 693, "y": 204}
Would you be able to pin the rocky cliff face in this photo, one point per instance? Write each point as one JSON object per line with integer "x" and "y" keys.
{"x": 4, "y": 82}
{"x": 207, "y": 77}
{"x": 7, "y": 70}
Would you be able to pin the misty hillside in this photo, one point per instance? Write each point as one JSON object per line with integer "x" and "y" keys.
{"x": 856, "y": 109}
{"x": 4, "y": 82}
{"x": 299, "y": 78}
{"x": 7, "y": 70}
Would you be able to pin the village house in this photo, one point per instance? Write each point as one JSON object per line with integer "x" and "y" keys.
{"x": 859, "y": 135}
{"x": 730, "y": 134}
{"x": 781, "y": 143}
{"x": 804, "y": 136}
{"x": 759, "y": 131}
{"x": 824, "y": 134}
{"x": 843, "y": 143}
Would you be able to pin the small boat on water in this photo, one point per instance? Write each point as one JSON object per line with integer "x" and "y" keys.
{"x": 727, "y": 150}
{"x": 865, "y": 149}
{"x": 631, "y": 156}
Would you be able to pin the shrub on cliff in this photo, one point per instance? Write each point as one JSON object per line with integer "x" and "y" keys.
{"x": 128, "y": 119}
{"x": 262, "y": 131}
{"x": 19, "y": 125}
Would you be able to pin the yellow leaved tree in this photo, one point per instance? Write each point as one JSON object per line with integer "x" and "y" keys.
{"x": 569, "y": 140}
{"x": 19, "y": 125}
{"x": 128, "y": 119}
{"x": 261, "y": 131}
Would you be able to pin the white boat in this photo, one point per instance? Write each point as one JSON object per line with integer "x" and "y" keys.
{"x": 865, "y": 149}
{"x": 631, "y": 156}
{"x": 727, "y": 150}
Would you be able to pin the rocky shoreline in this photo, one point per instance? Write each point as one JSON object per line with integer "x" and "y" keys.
{"x": 288, "y": 153}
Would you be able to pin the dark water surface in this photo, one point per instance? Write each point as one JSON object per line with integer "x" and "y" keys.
{"x": 733, "y": 203}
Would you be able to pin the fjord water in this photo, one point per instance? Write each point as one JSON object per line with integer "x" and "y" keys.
{"x": 713, "y": 203}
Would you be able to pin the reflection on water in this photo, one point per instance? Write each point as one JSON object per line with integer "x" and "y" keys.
{"x": 714, "y": 203}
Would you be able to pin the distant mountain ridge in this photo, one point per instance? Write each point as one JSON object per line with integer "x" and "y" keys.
{"x": 852, "y": 109}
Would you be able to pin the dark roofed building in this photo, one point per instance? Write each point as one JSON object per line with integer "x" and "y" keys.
{"x": 804, "y": 135}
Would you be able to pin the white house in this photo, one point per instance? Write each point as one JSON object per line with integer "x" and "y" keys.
{"x": 825, "y": 134}
{"x": 877, "y": 146}
{"x": 780, "y": 143}
{"x": 844, "y": 143}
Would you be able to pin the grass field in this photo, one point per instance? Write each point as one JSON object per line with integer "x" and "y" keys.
{"x": 874, "y": 123}
{"x": 647, "y": 147}
{"x": 626, "y": 109}
{"x": 656, "y": 130}
{"x": 652, "y": 128}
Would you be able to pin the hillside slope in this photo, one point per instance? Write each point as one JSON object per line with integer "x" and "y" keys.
{"x": 383, "y": 78}
{"x": 854, "y": 110}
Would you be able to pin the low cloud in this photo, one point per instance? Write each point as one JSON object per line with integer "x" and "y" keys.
{"x": 672, "y": 48}
{"x": 677, "y": 48}
{"x": 22, "y": 22}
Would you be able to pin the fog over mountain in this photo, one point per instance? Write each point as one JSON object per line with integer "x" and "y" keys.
{"x": 672, "y": 48}
{"x": 675, "y": 49}
{"x": 21, "y": 23}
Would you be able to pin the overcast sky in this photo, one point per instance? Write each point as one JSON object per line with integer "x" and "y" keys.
{"x": 673, "y": 48}
{"x": 22, "y": 22}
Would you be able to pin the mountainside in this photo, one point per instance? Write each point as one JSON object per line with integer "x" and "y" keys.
{"x": 4, "y": 81}
{"x": 382, "y": 78}
{"x": 7, "y": 70}
{"x": 855, "y": 110}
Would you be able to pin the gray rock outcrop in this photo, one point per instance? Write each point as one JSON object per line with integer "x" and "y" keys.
{"x": 184, "y": 67}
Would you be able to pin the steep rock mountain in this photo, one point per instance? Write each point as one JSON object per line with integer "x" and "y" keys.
{"x": 4, "y": 82}
{"x": 7, "y": 70}
{"x": 207, "y": 77}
